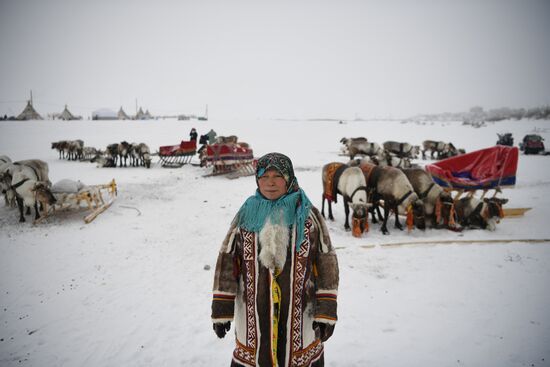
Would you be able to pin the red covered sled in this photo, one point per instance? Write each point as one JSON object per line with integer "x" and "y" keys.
{"x": 175, "y": 156}
{"x": 485, "y": 169}
{"x": 229, "y": 158}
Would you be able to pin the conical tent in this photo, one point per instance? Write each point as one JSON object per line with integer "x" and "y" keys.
{"x": 66, "y": 114}
{"x": 140, "y": 115}
{"x": 148, "y": 115}
{"x": 122, "y": 115}
{"x": 29, "y": 113}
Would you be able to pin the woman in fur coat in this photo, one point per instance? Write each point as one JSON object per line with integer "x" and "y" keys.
{"x": 276, "y": 275}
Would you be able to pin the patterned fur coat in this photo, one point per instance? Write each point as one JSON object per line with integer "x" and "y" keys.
{"x": 307, "y": 282}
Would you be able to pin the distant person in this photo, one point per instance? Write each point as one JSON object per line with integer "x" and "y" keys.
{"x": 211, "y": 136}
{"x": 193, "y": 134}
{"x": 276, "y": 276}
{"x": 203, "y": 140}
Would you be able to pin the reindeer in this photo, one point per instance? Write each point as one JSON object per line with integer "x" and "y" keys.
{"x": 349, "y": 182}
{"x": 356, "y": 146}
{"x": 388, "y": 159}
{"x": 60, "y": 146}
{"x": 438, "y": 203}
{"x": 6, "y": 170}
{"x": 402, "y": 150}
{"x": 104, "y": 160}
{"x": 227, "y": 139}
{"x": 144, "y": 154}
{"x": 111, "y": 153}
{"x": 75, "y": 149}
{"x": 436, "y": 147}
{"x": 43, "y": 196}
{"x": 134, "y": 155}
{"x": 89, "y": 152}
{"x": 476, "y": 213}
{"x": 451, "y": 152}
{"x": 26, "y": 177}
{"x": 123, "y": 150}
{"x": 392, "y": 186}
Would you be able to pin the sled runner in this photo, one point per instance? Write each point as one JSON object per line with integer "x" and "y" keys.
{"x": 175, "y": 156}
{"x": 485, "y": 169}
{"x": 229, "y": 159}
{"x": 70, "y": 195}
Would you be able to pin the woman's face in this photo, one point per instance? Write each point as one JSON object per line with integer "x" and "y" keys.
{"x": 272, "y": 184}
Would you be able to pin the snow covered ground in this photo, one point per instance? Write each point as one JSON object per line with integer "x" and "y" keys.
{"x": 131, "y": 289}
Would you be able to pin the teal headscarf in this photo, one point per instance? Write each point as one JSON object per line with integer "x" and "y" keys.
{"x": 291, "y": 208}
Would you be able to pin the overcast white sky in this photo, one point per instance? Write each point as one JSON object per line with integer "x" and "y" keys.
{"x": 274, "y": 59}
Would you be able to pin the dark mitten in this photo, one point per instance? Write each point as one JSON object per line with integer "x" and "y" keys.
{"x": 221, "y": 328}
{"x": 325, "y": 330}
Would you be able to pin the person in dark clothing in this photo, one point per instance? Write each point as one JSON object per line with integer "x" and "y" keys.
{"x": 193, "y": 134}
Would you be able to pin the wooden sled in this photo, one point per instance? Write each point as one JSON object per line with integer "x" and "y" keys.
{"x": 228, "y": 159}
{"x": 514, "y": 212}
{"x": 92, "y": 196}
{"x": 176, "y": 156}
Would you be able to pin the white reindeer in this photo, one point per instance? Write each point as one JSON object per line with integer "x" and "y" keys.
{"x": 352, "y": 186}
{"x": 27, "y": 177}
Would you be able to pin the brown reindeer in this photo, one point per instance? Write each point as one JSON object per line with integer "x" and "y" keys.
{"x": 402, "y": 150}
{"x": 438, "y": 203}
{"x": 475, "y": 213}
{"x": 390, "y": 185}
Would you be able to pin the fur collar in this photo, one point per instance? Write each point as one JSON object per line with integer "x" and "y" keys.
{"x": 274, "y": 241}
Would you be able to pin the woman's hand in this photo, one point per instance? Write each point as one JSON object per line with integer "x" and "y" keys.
{"x": 221, "y": 328}
{"x": 325, "y": 330}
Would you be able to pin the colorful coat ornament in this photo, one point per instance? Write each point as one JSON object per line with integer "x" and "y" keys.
{"x": 273, "y": 309}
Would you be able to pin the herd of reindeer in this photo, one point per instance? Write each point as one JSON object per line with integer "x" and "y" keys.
{"x": 26, "y": 183}
{"x": 385, "y": 178}
{"x": 138, "y": 154}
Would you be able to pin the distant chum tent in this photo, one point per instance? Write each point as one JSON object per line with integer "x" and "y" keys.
{"x": 143, "y": 116}
{"x": 29, "y": 113}
{"x": 122, "y": 115}
{"x": 67, "y": 115}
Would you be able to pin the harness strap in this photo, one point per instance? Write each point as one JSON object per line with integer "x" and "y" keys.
{"x": 13, "y": 187}
{"x": 403, "y": 198}
{"x": 358, "y": 189}
{"x": 425, "y": 193}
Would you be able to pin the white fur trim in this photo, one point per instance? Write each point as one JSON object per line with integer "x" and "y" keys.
{"x": 328, "y": 291}
{"x": 240, "y": 312}
{"x": 308, "y": 333}
{"x": 274, "y": 241}
{"x": 325, "y": 321}
{"x": 222, "y": 321}
{"x": 224, "y": 293}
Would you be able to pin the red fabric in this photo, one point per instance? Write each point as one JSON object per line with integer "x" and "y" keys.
{"x": 227, "y": 151}
{"x": 184, "y": 148}
{"x": 485, "y": 168}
